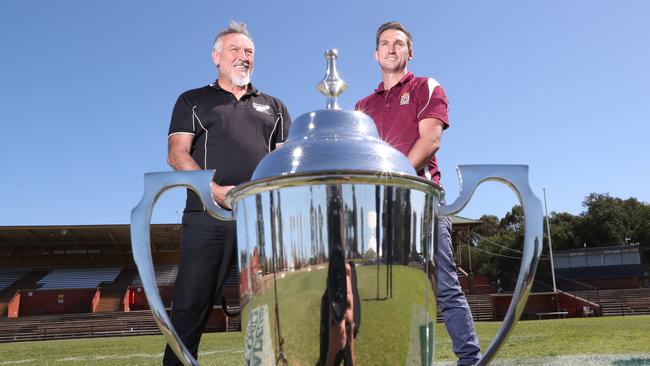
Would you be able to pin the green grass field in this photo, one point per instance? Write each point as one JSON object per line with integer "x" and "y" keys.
{"x": 617, "y": 341}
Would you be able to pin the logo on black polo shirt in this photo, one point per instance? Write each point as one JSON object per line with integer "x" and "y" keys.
{"x": 266, "y": 109}
{"x": 404, "y": 99}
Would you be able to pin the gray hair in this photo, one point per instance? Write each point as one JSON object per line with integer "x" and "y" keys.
{"x": 233, "y": 28}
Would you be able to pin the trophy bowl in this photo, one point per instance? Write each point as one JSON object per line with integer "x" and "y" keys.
{"x": 337, "y": 245}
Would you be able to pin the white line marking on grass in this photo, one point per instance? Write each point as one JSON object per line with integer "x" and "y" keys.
{"x": 219, "y": 351}
{"x": 133, "y": 355}
{"x": 16, "y": 362}
{"x": 111, "y": 357}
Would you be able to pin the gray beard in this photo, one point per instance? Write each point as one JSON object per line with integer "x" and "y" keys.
{"x": 240, "y": 81}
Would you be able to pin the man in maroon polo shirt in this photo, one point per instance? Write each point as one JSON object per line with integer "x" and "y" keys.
{"x": 411, "y": 113}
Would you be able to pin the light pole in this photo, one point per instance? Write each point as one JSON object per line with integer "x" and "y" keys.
{"x": 550, "y": 246}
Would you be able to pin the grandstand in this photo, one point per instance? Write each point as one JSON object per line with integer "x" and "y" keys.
{"x": 611, "y": 267}
{"x": 80, "y": 281}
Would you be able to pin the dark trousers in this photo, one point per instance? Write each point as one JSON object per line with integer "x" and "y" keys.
{"x": 207, "y": 245}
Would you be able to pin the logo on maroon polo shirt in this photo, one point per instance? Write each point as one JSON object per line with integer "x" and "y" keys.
{"x": 404, "y": 99}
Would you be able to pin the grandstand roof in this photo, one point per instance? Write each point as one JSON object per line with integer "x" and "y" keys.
{"x": 616, "y": 248}
{"x": 39, "y": 239}
{"x": 84, "y": 239}
{"x": 458, "y": 220}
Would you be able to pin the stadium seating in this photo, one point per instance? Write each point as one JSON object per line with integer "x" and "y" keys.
{"x": 79, "y": 277}
{"x": 480, "y": 307}
{"x": 232, "y": 277}
{"x": 86, "y": 325}
{"x": 10, "y": 275}
{"x": 165, "y": 275}
{"x": 625, "y": 302}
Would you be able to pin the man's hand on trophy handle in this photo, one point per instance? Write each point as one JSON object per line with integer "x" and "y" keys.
{"x": 219, "y": 194}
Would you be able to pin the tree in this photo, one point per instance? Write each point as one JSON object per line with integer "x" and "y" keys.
{"x": 563, "y": 231}
{"x": 605, "y": 221}
{"x": 497, "y": 251}
{"x": 513, "y": 220}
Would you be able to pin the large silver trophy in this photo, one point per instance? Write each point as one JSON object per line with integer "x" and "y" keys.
{"x": 337, "y": 245}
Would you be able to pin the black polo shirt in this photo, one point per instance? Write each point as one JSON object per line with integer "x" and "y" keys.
{"x": 230, "y": 135}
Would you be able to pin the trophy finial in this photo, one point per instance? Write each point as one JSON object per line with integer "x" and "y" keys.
{"x": 332, "y": 85}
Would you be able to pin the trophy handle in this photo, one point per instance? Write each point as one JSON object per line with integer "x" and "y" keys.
{"x": 515, "y": 177}
{"x": 154, "y": 185}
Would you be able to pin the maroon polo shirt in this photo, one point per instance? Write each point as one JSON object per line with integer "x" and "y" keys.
{"x": 398, "y": 111}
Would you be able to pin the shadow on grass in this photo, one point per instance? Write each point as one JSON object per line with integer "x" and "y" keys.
{"x": 375, "y": 299}
{"x": 632, "y": 362}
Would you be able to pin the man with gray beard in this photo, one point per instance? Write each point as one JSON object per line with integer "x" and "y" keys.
{"x": 228, "y": 126}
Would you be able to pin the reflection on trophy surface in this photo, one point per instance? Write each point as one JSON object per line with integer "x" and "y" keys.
{"x": 325, "y": 293}
{"x": 336, "y": 245}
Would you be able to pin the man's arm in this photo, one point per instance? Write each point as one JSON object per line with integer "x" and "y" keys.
{"x": 179, "y": 158}
{"x": 425, "y": 147}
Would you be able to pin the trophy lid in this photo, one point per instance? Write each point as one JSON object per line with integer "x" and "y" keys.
{"x": 334, "y": 141}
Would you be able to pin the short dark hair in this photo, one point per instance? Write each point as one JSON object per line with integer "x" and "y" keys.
{"x": 396, "y": 26}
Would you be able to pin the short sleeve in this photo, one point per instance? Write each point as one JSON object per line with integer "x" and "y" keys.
{"x": 432, "y": 102}
{"x": 182, "y": 121}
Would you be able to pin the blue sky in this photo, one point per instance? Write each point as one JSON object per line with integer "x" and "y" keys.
{"x": 87, "y": 89}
